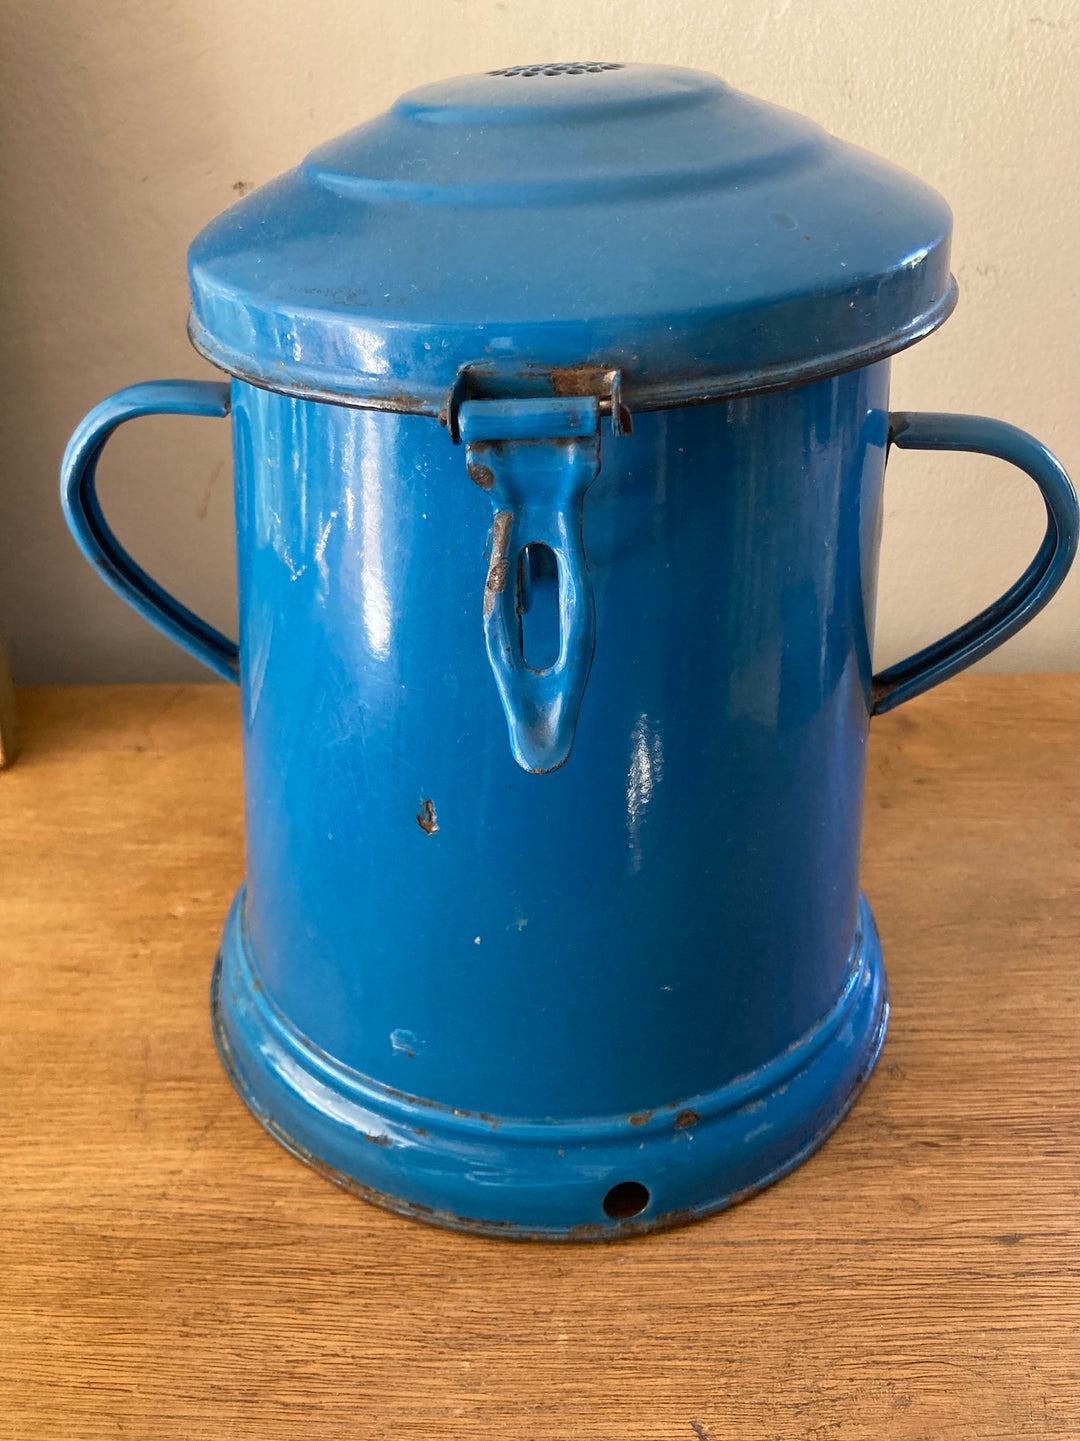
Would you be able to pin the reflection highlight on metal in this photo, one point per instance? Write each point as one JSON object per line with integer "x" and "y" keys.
{"x": 376, "y": 596}
{"x": 646, "y": 771}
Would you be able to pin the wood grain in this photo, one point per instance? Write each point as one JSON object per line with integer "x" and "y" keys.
{"x": 166, "y": 1271}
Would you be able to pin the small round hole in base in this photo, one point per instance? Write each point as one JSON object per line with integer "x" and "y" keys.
{"x": 628, "y": 1198}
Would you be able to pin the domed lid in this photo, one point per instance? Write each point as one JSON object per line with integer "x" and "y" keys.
{"x": 581, "y": 217}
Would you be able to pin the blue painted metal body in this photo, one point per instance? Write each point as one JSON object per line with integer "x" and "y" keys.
{"x": 632, "y": 988}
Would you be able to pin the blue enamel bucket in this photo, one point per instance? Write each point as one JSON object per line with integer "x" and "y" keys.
{"x": 559, "y": 401}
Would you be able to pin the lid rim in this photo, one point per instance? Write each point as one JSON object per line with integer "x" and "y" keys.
{"x": 726, "y": 247}
{"x": 665, "y": 394}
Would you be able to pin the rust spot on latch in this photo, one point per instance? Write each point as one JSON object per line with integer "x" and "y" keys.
{"x": 578, "y": 380}
{"x": 686, "y": 1118}
{"x": 570, "y": 380}
{"x": 481, "y": 474}
{"x": 497, "y": 566}
{"x": 426, "y": 819}
{"x": 640, "y": 1118}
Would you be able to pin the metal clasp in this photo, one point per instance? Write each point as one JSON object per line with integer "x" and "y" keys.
{"x": 535, "y": 455}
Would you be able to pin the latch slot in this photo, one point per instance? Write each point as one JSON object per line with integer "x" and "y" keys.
{"x": 538, "y": 606}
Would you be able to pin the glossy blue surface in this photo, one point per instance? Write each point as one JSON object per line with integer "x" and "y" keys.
{"x": 580, "y": 958}
{"x": 487, "y": 997}
{"x": 643, "y": 217}
{"x": 555, "y": 715}
{"x": 611, "y": 937}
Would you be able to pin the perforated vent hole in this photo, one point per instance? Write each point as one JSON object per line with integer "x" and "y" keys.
{"x": 628, "y": 1198}
{"x": 561, "y": 67}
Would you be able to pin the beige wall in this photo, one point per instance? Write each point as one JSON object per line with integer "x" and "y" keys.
{"x": 125, "y": 126}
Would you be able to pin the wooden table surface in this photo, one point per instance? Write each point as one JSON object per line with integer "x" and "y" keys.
{"x": 166, "y": 1271}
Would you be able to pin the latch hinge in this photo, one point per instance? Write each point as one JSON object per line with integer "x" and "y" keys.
{"x": 517, "y": 387}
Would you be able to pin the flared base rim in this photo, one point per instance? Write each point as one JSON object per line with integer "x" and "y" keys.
{"x": 568, "y": 1180}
